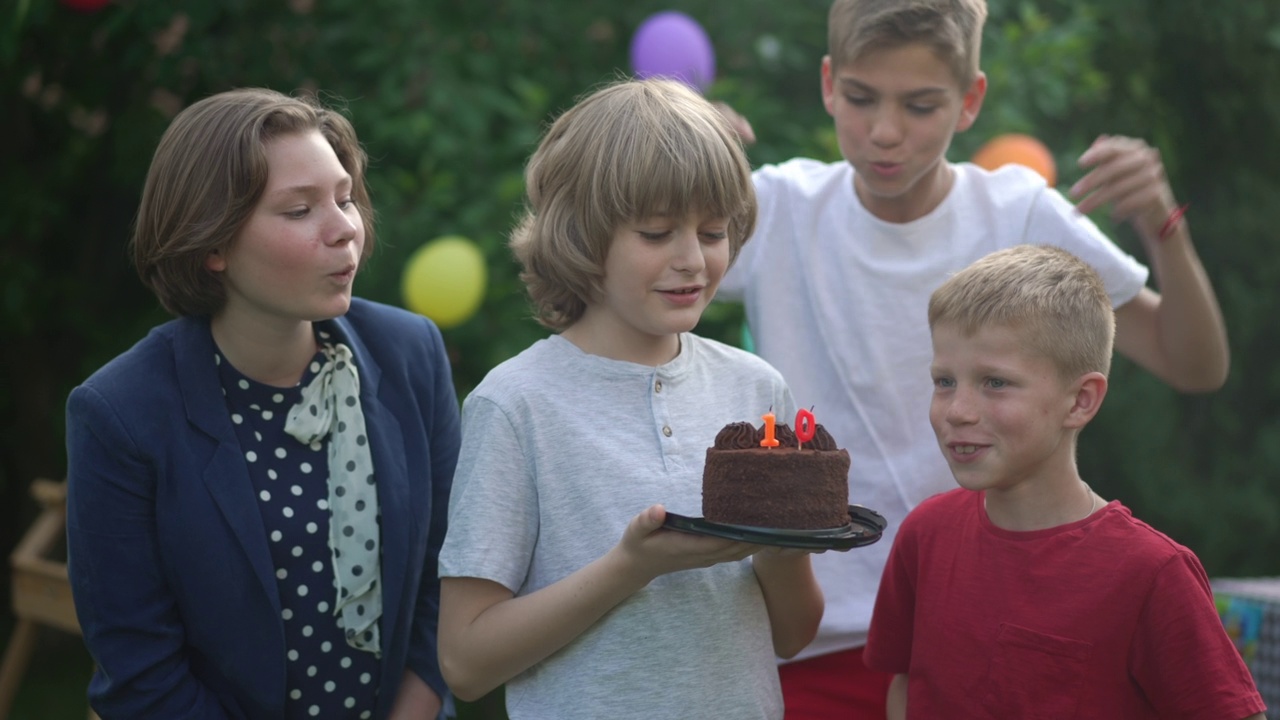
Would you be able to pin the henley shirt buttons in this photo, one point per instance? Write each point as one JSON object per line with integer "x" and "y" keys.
{"x": 666, "y": 430}
{"x": 657, "y": 386}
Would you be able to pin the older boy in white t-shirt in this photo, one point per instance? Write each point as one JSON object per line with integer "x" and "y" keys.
{"x": 837, "y": 275}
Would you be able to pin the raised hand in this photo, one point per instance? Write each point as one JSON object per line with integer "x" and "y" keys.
{"x": 740, "y": 124}
{"x": 1127, "y": 174}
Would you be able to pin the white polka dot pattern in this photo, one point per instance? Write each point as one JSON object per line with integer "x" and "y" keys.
{"x": 330, "y": 407}
{"x": 322, "y": 670}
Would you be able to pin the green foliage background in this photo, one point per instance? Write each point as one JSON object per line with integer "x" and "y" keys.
{"x": 450, "y": 98}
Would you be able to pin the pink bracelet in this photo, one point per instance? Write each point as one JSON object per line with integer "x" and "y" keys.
{"x": 1171, "y": 224}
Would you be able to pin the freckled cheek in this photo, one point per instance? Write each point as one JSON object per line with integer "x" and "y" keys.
{"x": 293, "y": 263}
{"x": 937, "y": 413}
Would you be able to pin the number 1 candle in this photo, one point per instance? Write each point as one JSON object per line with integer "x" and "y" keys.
{"x": 769, "y": 440}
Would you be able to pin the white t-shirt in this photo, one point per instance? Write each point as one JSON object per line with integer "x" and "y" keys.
{"x": 560, "y": 450}
{"x": 837, "y": 300}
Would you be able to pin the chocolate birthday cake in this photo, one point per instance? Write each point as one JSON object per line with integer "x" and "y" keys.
{"x": 793, "y": 486}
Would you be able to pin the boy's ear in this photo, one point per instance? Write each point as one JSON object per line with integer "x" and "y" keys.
{"x": 828, "y": 86}
{"x": 215, "y": 262}
{"x": 1090, "y": 389}
{"x": 972, "y": 102}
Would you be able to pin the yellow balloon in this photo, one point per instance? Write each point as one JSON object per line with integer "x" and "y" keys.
{"x": 445, "y": 280}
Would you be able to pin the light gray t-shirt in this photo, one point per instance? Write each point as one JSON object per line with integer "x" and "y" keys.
{"x": 560, "y": 450}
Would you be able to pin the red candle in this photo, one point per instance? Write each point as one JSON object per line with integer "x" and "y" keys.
{"x": 769, "y": 440}
{"x": 805, "y": 427}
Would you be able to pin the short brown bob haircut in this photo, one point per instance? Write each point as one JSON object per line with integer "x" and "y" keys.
{"x": 951, "y": 28}
{"x": 208, "y": 173}
{"x": 631, "y": 150}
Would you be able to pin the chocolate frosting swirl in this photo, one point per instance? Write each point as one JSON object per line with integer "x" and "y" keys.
{"x": 822, "y": 440}
{"x": 737, "y": 436}
{"x": 783, "y": 433}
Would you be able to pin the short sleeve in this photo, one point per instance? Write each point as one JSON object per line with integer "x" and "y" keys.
{"x": 769, "y": 190}
{"x": 1182, "y": 657}
{"x": 891, "y": 635}
{"x": 1054, "y": 221}
{"x": 493, "y": 508}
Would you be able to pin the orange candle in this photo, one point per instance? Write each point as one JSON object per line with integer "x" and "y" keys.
{"x": 769, "y": 440}
{"x": 806, "y": 426}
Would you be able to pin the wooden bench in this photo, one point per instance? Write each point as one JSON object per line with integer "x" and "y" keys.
{"x": 41, "y": 588}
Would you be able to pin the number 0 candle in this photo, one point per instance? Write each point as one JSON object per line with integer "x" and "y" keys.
{"x": 805, "y": 427}
{"x": 769, "y": 440}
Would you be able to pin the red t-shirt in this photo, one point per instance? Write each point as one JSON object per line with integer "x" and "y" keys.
{"x": 1101, "y": 618}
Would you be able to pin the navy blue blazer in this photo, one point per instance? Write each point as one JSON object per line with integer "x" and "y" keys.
{"x": 170, "y": 568}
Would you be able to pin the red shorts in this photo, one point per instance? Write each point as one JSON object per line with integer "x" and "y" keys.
{"x": 836, "y": 686}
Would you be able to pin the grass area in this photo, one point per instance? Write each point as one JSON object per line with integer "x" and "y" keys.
{"x": 53, "y": 687}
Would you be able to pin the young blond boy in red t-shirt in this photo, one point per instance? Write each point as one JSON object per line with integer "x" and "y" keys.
{"x": 1023, "y": 593}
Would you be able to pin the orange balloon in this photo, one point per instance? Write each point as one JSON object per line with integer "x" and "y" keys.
{"x": 1020, "y": 149}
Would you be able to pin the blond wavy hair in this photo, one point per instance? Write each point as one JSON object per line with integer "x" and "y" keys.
{"x": 628, "y": 151}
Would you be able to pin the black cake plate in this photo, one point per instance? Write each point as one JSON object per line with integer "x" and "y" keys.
{"x": 865, "y": 527}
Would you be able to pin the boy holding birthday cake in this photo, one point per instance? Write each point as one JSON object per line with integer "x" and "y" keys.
{"x": 558, "y": 578}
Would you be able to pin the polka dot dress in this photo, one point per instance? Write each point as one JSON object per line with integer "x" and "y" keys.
{"x": 325, "y": 677}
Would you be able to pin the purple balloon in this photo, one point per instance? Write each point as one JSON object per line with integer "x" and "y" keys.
{"x": 672, "y": 44}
